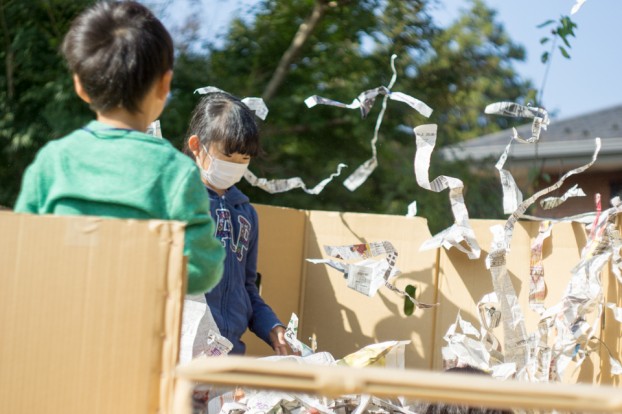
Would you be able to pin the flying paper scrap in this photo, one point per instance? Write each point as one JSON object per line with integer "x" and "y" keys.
{"x": 367, "y": 275}
{"x": 552, "y": 202}
{"x": 364, "y": 102}
{"x": 461, "y": 230}
{"x": 154, "y": 129}
{"x": 540, "y": 118}
{"x": 577, "y": 6}
{"x": 257, "y": 105}
{"x": 512, "y": 196}
{"x": 287, "y": 184}
{"x": 291, "y": 337}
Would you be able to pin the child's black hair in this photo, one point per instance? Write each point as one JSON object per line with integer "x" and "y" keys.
{"x": 118, "y": 50}
{"x": 221, "y": 118}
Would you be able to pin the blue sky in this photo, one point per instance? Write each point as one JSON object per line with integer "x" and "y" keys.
{"x": 589, "y": 81}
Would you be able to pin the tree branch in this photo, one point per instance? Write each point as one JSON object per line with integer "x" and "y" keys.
{"x": 302, "y": 35}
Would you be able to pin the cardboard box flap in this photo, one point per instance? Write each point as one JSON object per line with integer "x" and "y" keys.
{"x": 382, "y": 382}
{"x": 89, "y": 313}
{"x": 280, "y": 262}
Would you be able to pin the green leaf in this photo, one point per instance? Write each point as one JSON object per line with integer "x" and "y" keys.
{"x": 545, "y": 57}
{"x": 544, "y": 40}
{"x": 546, "y": 23}
{"x": 409, "y": 306}
{"x": 564, "y": 52}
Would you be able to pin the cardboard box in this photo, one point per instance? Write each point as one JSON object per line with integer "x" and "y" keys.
{"x": 90, "y": 308}
{"x": 90, "y": 313}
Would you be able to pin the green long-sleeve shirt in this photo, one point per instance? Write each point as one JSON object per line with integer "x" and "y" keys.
{"x": 104, "y": 171}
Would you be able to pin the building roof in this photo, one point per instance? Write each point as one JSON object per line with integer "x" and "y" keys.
{"x": 568, "y": 141}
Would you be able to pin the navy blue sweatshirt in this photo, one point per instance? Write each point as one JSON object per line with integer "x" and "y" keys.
{"x": 235, "y": 302}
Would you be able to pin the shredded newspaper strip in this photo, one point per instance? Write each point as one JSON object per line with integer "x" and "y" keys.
{"x": 461, "y": 230}
{"x": 532, "y": 356}
{"x": 464, "y": 346}
{"x": 389, "y": 354}
{"x": 412, "y": 209}
{"x": 509, "y": 226}
{"x": 566, "y": 331}
{"x": 583, "y": 298}
{"x": 577, "y": 6}
{"x": 291, "y": 337}
{"x": 154, "y": 129}
{"x": 552, "y": 202}
{"x": 515, "y": 334}
{"x": 512, "y": 196}
{"x": 368, "y": 275}
{"x": 364, "y": 102}
{"x": 489, "y": 318}
{"x": 200, "y": 336}
{"x": 540, "y": 118}
{"x": 537, "y": 285}
{"x": 257, "y": 105}
{"x": 287, "y": 184}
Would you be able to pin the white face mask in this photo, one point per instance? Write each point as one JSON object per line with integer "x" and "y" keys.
{"x": 223, "y": 174}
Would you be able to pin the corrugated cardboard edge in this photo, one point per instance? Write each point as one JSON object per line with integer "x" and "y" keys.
{"x": 173, "y": 234}
{"x": 436, "y": 353}
{"x": 303, "y": 270}
{"x": 279, "y": 260}
{"x": 389, "y": 382}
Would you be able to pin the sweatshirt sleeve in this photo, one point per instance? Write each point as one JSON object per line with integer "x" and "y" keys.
{"x": 264, "y": 319}
{"x": 205, "y": 253}
{"x": 28, "y": 200}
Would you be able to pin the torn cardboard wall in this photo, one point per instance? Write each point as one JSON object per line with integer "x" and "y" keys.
{"x": 89, "y": 313}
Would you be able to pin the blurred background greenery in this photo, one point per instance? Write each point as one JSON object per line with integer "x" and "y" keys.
{"x": 344, "y": 48}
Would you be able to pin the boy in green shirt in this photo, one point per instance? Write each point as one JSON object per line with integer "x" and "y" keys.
{"x": 121, "y": 58}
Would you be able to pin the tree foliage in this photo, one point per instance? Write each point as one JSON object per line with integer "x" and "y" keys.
{"x": 37, "y": 102}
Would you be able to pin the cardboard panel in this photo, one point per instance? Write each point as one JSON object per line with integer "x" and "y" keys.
{"x": 280, "y": 262}
{"x": 344, "y": 320}
{"x": 89, "y": 313}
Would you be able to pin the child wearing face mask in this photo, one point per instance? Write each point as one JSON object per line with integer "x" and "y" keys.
{"x": 223, "y": 137}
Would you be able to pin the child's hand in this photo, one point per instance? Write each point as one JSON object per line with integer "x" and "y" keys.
{"x": 277, "y": 338}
